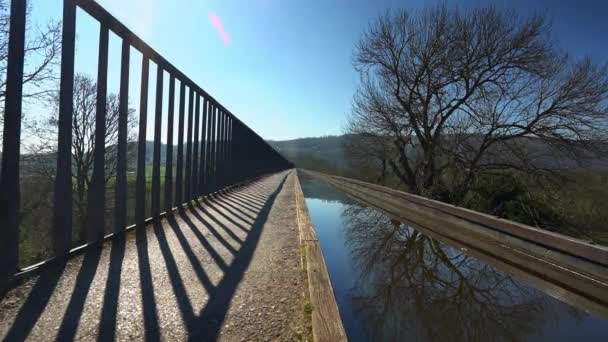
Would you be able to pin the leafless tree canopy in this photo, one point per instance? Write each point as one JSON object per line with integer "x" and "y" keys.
{"x": 411, "y": 279}
{"x": 455, "y": 93}
{"x": 43, "y": 45}
{"x": 43, "y": 150}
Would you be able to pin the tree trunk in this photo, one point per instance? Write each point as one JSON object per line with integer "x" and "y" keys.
{"x": 81, "y": 214}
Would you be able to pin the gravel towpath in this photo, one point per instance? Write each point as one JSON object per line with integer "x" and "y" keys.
{"x": 227, "y": 269}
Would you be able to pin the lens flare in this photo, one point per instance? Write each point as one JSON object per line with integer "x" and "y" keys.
{"x": 217, "y": 25}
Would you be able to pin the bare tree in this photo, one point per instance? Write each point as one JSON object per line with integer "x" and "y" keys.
{"x": 83, "y": 142}
{"x": 460, "y": 93}
{"x": 417, "y": 282}
{"x": 369, "y": 153}
{"x": 41, "y": 54}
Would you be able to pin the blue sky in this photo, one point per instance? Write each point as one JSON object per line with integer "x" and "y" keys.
{"x": 286, "y": 70}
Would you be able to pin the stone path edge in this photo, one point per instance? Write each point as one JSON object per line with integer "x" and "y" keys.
{"x": 325, "y": 316}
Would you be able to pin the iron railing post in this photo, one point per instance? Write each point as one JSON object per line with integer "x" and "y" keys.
{"x": 62, "y": 215}
{"x": 140, "y": 187}
{"x": 203, "y": 162}
{"x": 158, "y": 117}
{"x": 223, "y": 158}
{"x": 188, "y": 175}
{"x": 169, "y": 155}
{"x": 96, "y": 196}
{"x": 10, "y": 195}
{"x": 209, "y": 144}
{"x": 214, "y": 148}
{"x": 120, "y": 209}
{"x": 179, "y": 173}
{"x": 197, "y": 109}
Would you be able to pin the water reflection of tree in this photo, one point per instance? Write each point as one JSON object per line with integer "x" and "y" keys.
{"x": 414, "y": 287}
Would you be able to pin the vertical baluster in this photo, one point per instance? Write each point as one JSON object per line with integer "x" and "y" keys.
{"x": 208, "y": 160}
{"x": 253, "y": 158}
{"x": 188, "y": 175}
{"x": 120, "y": 210}
{"x": 235, "y": 156}
{"x": 10, "y": 196}
{"x": 217, "y": 148}
{"x": 213, "y": 148}
{"x": 242, "y": 156}
{"x": 224, "y": 117}
{"x": 180, "y": 147}
{"x": 158, "y": 117}
{"x": 197, "y": 109}
{"x": 247, "y": 157}
{"x": 225, "y": 150}
{"x": 236, "y": 166}
{"x": 96, "y": 195}
{"x": 226, "y": 143}
{"x": 140, "y": 192}
{"x": 62, "y": 219}
{"x": 220, "y": 171}
{"x": 229, "y": 154}
{"x": 203, "y": 162}
{"x": 169, "y": 156}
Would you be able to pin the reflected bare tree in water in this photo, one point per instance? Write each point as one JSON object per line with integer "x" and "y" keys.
{"x": 414, "y": 287}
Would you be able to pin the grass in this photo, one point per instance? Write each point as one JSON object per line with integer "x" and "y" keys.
{"x": 308, "y": 308}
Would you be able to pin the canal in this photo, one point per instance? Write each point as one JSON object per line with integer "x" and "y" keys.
{"x": 394, "y": 283}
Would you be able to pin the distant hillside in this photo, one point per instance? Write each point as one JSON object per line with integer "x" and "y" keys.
{"x": 329, "y": 154}
{"x": 322, "y": 153}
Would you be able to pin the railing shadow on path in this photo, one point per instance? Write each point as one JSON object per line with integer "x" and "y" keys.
{"x": 234, "y": 216}
{"x": 244, "y": 201}
{"x": 252, "y": 196}
{"x": 210, "y": 319}
{"x": 203, "y": 323}
{"x": 35, "y": 303}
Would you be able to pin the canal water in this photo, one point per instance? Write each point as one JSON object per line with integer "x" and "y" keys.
{"x": 393, "y": 283}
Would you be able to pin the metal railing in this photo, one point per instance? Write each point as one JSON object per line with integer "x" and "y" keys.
{"x": 225, "y": 151}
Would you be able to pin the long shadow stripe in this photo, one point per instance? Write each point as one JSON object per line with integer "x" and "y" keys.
{"x": 35, "y": 303}
{"x": 201, "y": 238}
{"x": 251, "y": 205}
{"x": 258, "y": 189}
{"x": 71, "y": 318}
{"x": 194, "y": 261}
{"x": 231, "y": 212}
{"x": 212, "y": 207}
{"x": 107, "y": 325}
{"x": 241, "y": 206}
{"x": 214, "y": 232}
{"x": 255, "y": 205}
{"x": 183, "y": 301}
{"x": 255, "y": 200}
{"x": 147, "y": 288}
{"x": 221, "y": 225}
{"x": 254, "y": 197}
{"x": 239, "y": 200}
{"x": 238, "y": 225}
{"x": 227, "y": 203}
{"x": 217, "y": 307}
{"x": 255, "y": 190}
